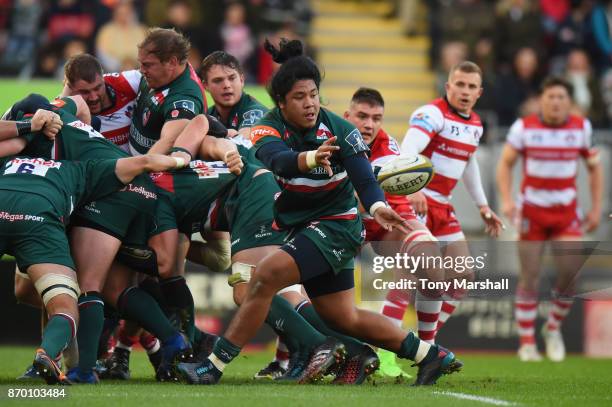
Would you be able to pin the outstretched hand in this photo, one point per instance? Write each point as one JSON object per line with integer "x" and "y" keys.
{"x": 389, "y": 219}
{"x": 324, "y": 153}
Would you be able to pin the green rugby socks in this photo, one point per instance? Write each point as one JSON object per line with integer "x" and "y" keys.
{"x": 57, "y": 334}
{"x": 137, "y": 305}
{"x": 91, "y": 321}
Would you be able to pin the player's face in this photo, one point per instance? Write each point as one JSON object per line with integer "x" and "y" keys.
{"x": 463, "y": 90}
{"x": 301, "y": 105}
{"x": 556, "y": 104}
{"x": 224, "y": 85}
{"x": 94, "y": 93}
{"x": 156, "y": 72}
{"x": 367, "y": 118}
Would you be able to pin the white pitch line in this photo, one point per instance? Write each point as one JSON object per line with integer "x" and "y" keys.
{"x": 487, "y": 400}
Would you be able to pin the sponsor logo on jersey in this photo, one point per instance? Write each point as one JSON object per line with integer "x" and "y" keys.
{"x": 355, "y": 140}
{"x": 139, "y": 190}
{"x": 323, "y": 132}
{"x": 159, "y": 97}
{"x": 139, "y": 138}
{"x": 33, "y": 166}
{"x": 393, "y": 146}
{"x": 250, "y": 117}
{"x": 15, "y": 217}
{"x": 263, "y": 232}
{"x": 259, "y": 132}
{"x": 174, "y": 113}
{"x": 421, "y": 120}
{"x": 184, "y": 104}
{"x": 58, "y": 103}
{"x": 145, "y": 116}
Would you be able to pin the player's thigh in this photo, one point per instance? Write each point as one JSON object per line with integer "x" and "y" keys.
{"x": 569, "y": 256}
{"x": 93, "y": 251}
{"x": 460, "y": 251}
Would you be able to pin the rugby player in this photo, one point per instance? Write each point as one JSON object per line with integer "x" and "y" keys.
{"x": 103, "y": 224}
{"x": 448, "y": 131}
{"x": 317, "y": 201}
{"x": 38, "y": 197}
{"x": 550, "y": 144}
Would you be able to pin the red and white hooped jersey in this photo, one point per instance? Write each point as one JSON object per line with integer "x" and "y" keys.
{"x": 117, "y": 119}
{"x": 550, "y": 158}
{"x": 453, "y": 140}
{"x": 383, "y": 149}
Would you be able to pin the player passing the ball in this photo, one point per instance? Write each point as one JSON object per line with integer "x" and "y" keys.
{"x": 319, "y": 160}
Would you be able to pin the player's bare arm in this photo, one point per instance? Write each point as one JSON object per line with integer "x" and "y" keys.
{"x": 169, "y": 134}
{"x": 508, "y": 159}
{"x": 595, "y": 169}
{"x": 127, "y": 169}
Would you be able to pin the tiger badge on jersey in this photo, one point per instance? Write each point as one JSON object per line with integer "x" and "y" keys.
{"x": 146, "y": 114}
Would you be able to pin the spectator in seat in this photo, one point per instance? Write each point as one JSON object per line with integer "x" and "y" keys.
{"x": 116, "y": 43}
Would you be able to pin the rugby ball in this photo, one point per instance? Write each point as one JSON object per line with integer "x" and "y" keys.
{"x": 405, "y": 175}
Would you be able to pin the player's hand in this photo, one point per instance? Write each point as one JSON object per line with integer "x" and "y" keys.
{"x": 231, "y": 133}
{"x": 389, "y": 219}
{"x": 419, "y": 203}
{"x": 324, "y": 153}
{"x": 233, "y": 161}
{"x": 592, "y": 220}
{"x": 493, "y": 223}
{"x": 511, "y": 212}
{"x": 47, "y": 121}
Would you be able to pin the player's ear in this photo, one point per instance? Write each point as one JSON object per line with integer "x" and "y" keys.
{"x": 346, "y": 114}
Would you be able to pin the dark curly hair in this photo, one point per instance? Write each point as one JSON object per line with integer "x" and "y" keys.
{"x": 295, "y": 66}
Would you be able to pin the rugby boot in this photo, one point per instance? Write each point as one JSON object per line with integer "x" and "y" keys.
{"x": 529, "y": 353}
{"x": 76, "y": 375}
{"x": 324, "y": 358}
{"x": 118, "y": 365}
{"x": 297, "y": 363}
{"x": 48, "y": 369}
{"x": 555, "y": 348}
{"x": 430, "y": 371}
{"x": 173, "y": 351}
{"x": 30, "y": 374}
{"x": 389, "y": 366}
{"x": 357, "y": 369}
{"x": 273, "y": 371}
{"x": 200, "y": 372}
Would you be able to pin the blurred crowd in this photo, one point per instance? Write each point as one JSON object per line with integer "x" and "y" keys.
{"x": 518, "y": 42}
{"x": 37, "y": 36}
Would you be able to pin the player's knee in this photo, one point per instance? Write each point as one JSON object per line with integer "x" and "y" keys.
{"x": 420, "y": 240}
{"x": 269, "y": 276}
{"x": 58, "y": 288}
{"x": 239, "y": 292}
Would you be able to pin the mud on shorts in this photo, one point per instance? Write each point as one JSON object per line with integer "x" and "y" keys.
{"x": 324, "y": 252}
{"x": 32, "y": 231}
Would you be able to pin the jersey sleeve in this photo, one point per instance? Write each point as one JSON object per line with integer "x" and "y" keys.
{"x": 182, "y": 106}
{"x": 133, "y": 78}
{"x": 65, "y": 104}
{"x": 426, "y": 119}
{"x": 265, "y": 131}
{"x": 515, "y": 135}
{"x": 351, "y": 142}
{"x": 588, "y": 151}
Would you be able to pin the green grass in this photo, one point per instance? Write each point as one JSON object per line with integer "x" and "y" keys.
{"x": 14, "y": 90}
{"x": 503, "y": 378}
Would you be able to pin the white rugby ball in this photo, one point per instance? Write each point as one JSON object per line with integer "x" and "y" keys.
{"x": 405, "y": 175}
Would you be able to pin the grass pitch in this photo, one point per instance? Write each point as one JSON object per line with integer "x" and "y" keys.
{"x": 485, "y": 380}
